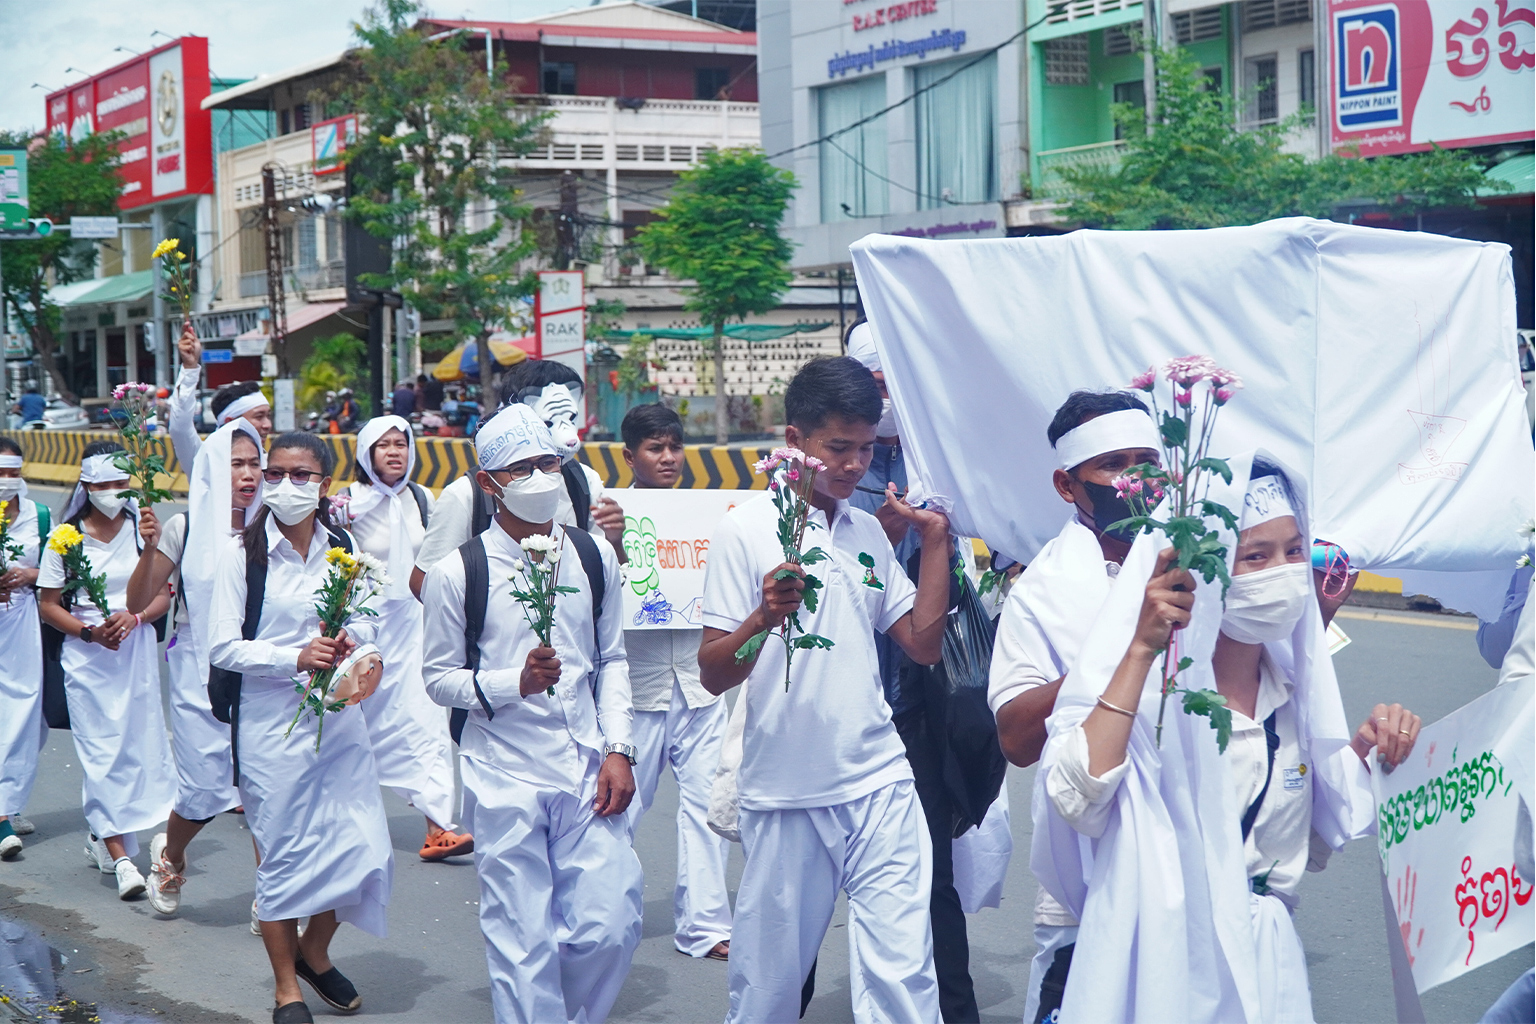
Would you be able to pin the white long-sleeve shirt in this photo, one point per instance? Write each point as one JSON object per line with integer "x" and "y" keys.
{"x": 1281, "y": 841}
{"x": 182, "y": 421}
{"x": 540, "y": 739}
{"x": 288, "y": 619}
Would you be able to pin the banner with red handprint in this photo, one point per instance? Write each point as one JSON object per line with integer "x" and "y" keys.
{"x": 1446, "y": 821}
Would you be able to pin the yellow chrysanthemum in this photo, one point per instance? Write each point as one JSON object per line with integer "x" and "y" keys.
{"x": 180, "y": 255}
{"x": 64, "y": 537}
{"x": 169, "y": 245}
{"x": 337, "y": 556}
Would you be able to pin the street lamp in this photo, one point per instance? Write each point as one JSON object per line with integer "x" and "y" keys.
{"x": 127, "y": 49}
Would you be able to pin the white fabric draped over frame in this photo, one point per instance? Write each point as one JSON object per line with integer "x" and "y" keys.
{"x": 1380, "y": 364}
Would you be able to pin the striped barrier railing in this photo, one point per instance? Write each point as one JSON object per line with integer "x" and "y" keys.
{"x": 54, "y": 456}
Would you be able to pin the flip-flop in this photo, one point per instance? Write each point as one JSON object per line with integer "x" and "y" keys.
{"x": 715, "y": 953}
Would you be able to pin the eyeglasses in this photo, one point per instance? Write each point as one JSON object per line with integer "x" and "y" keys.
{"x": 300, "y": 477}
{"x": 523, "y": 470}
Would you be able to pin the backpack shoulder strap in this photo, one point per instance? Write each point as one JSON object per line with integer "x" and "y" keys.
{"x": 580, "y": 492}
{"x": 255, "y": 594}
{"x": 421, "y": 500}
{"x": 477, "y": 590}
{"x": 482, "y": 507}
{"x": 592, "y": 565}
{"x": 340, "y": 538}
{"x": 1272, "y": 743}
{"x": 44, "y": 521}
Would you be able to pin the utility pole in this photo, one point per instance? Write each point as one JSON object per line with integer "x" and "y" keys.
{"x": 274, "y": 252}
{"x": 565, "y": 227}
{"x": 1150, "y": 41}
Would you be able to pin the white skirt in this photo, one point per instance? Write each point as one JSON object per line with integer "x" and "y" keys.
{"x": 22, "y": 732}
{"x": 129, "y": 781}
{"x": 200, "y": 742}
{"x": 317, "y": 816}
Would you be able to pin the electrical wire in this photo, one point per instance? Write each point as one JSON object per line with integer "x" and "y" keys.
{"x": 942, "y": 200}
{"x": 1053, "y": 10}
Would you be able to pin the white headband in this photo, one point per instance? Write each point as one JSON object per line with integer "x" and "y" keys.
{"x": 512, "y": 435}
{"x": 1111, "y": 432}
{"x": 1265, "y": 500}
{"x": 100, "y": 469}
{"x": 241, "y": 406}
{"x": 10, "y": 462}
{"x": 861, "y": 346}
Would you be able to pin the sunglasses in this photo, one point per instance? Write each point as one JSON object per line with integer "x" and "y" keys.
{"x": 300, "y": 477}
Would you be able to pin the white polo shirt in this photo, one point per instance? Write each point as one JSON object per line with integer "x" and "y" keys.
{"x": 829, "y": 738}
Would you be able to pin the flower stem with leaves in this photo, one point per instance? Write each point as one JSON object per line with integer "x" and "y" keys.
{"x": 1186, "y": 426}
{"x": 143, "y": 454}
{"x": 177, "y": 270}
{"x": 69, "y": 544}
{"x": 351, "y": 582}
{"x": 540, "y": 586}
{"x": 792, "y": 480}
{"x": 10, "y": 550}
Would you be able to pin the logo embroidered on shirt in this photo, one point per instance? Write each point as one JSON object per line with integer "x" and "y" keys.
{"x": 1295, "y": 777}
{"x": 870, "y": 579}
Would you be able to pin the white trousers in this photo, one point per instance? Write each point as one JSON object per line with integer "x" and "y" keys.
{"x": 560, "y": 896}
{"x": 687, "y": 739}
{"x": 1048, "y": 939}
{"x": 877, "y": 850}
{"x": 204, "y": 772}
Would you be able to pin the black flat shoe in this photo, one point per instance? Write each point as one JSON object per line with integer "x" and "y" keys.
{"x": 292, "y": 1013}
{"x": 332, "y": 986}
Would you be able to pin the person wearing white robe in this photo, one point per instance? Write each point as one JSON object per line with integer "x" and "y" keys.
{"x": 233, "y": 401}
{"x": 678, "y": 724}
{"x": 453, "y": 517}
{"x": 1097, "y": 436}
{"x": 312, "y": 803}
{"x": 224, "y": 488}
{"x": 826, "y": 792}
{"x": 1198, "y": 853}
{"x": 22, "y": 730}
{"x": 111, "y": 680}
{"x": 388, "y": 515}
{"x": 547, "y": 776}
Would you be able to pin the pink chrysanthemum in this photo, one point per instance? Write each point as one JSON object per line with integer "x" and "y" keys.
{"x": 1187, "y": 371}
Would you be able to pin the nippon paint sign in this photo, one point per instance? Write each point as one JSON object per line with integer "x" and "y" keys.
{"x": 155, "y": 102}
{"x": 1409, "y": 74}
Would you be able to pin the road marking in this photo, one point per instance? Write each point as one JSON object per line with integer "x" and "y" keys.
{"x": 1447, "y": 622}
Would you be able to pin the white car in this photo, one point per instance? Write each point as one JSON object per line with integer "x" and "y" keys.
{"x": 60, "y": 415}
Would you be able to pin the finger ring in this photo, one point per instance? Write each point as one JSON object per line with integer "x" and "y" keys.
{"x": 1381, "y": 719}
{"x": 1403, "y": 732}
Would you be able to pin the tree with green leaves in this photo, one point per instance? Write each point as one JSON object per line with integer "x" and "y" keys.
{"x": 431, "y": 172}
{"x": 720, "y": 229}
{"x": 64, "y": 179}
{"x": 333, "y": 363}
{"x": 1194, "y": 168}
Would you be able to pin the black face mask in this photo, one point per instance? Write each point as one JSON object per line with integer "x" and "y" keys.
{"x": 1109, "y": 508}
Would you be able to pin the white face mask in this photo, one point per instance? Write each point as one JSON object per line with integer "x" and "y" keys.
{"x": 1263, "y": 607}
{"x": 291, "y": 503}
{"x": 12, "y": 487}
{"x": 889, "y": 425}
{"x": 534, "y": 498}
{"x": 109, "y": 503}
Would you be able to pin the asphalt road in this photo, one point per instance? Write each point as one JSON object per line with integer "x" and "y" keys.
{"x": 206, "y": 966}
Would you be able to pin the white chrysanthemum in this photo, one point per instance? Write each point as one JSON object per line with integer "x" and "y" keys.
{"x": 554, "y": 554}
{"x": 518, "y": 565}
{"x": 371, "y": 565}
{"x": 538, "y": 543}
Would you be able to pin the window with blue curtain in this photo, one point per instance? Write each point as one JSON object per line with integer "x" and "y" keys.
{"x": 956, "y": 133}
{"x": 853, "y": 166}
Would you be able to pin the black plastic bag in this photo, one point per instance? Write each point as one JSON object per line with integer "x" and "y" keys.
{"x": 974, "y": 765}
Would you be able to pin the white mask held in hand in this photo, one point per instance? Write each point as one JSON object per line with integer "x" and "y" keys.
{"x": 291, "y": 503}
{"x": 108, "y": 503}
{"x": 1263, "y": 607}
{"x": 889, "y": 425}
{"x": 534, "y": 498}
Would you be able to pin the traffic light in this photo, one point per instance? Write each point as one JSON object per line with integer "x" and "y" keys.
{"x": 42, "y": 227}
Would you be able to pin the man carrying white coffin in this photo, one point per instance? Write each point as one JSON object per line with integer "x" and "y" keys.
{"x": 546, "y": 739}
{"x": 1097, "y": 436}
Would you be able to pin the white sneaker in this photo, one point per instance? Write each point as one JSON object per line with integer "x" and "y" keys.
{"x": 129, "y": 882}
{"x": 255, "y": 921}
{"x": 10, "y": 846}
{"x": 22, "y": 826}
{"x": 164, "y": 881}
{"x": 96, "y": 853}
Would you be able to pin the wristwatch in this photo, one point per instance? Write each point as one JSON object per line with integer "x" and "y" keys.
{"x": 85, "y": 635}
{"x": 627, "y": 749}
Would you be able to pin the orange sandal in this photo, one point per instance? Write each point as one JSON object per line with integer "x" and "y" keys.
{"x": 446, "y": 844}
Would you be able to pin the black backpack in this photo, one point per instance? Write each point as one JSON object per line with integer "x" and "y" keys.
{"x": 477, "y": 592}
{"x": 223, "y": 684}
{"x": 576, "y": 487}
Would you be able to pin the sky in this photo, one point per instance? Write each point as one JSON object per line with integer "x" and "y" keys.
{"x": 41, "y": 39}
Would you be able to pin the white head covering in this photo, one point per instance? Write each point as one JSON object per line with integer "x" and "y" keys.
{"x": 1266, "y": 499}
{"x": 1170, "y": 862}
{"x": 368, "y": 493}
{"x": 242, "y": 405}
{"x": 1111, "y": 432}
{"x": 96, "y": 469}
{"x": 512, "y": 435}
{"x": 861, "y": 346}
{"x": 209, "y": 511}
